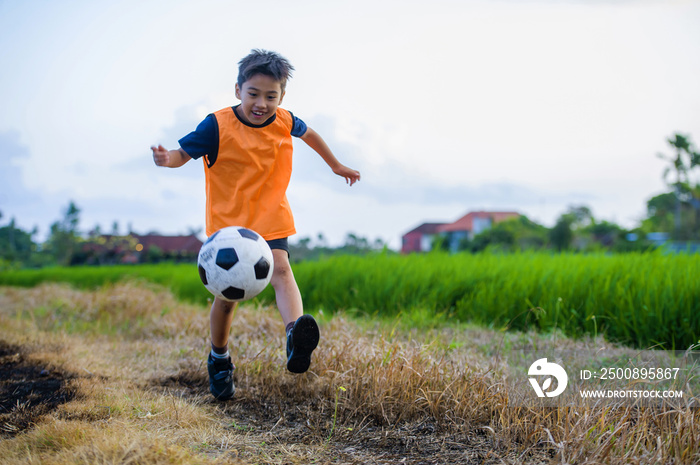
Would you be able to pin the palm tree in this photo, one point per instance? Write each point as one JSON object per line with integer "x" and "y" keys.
{"x": 684, "y": 160}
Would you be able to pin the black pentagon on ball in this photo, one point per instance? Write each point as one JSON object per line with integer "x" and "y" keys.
{"x": 262, "y": 268}
{"x": 248, "y": 234}
{"x": 233, "y": 293}
{"x": 226, "y": 258}
{"x": 203, "y": 275}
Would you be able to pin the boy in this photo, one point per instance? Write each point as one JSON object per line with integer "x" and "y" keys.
{"x": 247, "y": 153}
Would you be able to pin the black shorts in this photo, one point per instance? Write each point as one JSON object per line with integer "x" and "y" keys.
{"x": 282, "y": 244}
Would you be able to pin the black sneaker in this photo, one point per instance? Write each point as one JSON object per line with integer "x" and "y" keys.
{"x": 302, "y": 339}
{"x": 221, "y": 377}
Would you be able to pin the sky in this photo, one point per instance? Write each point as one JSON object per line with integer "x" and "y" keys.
{"x": 445, "y": 107}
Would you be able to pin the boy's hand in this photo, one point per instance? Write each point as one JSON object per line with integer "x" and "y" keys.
{"x": 169, "y": 158}
{"x": 161, "y": 157}
{"x": 351, "y": 176}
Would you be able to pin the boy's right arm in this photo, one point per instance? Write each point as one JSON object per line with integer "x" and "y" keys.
{"x": 169, "y": 158}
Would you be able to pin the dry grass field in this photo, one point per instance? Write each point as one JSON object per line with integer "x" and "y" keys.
{"x": 117, "y": 376}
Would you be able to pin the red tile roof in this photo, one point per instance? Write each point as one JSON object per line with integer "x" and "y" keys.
{"x": 466, "y": 223}
{"x": 427, "y": 228}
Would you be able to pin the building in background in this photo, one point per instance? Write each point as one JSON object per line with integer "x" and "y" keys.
{"x": 137, "y": 248}
{"x": 422, "y": 238}
{"x": 470, "y": 225}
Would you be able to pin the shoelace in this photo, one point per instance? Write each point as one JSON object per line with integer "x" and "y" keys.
{"x": 225, "y": 372}
{"x": 222, "y": 375}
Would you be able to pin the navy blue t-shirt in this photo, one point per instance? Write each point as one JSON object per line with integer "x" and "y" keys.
{"x": 205, "y": 139}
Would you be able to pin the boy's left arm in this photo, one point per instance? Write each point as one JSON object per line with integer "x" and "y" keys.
{"x": 316, "y": 142}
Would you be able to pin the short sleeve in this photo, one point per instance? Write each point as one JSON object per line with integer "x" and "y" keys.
{"x": 204, "y": 140}
{"x": 299, "y": 127}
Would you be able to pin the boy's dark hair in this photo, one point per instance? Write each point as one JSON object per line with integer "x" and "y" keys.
{"x": 264, "y": 62}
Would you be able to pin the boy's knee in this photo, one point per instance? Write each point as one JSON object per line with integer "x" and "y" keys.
{"x": 281, "y": 274}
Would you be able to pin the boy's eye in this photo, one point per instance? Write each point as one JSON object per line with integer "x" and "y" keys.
{"x": 252, "y": 94}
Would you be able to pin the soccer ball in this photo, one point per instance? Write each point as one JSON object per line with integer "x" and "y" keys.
{"x": 235, "y": 264}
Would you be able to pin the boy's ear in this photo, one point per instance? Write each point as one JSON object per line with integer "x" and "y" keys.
{"x": 238, "y": 92}
{"x": 281, "y": 97}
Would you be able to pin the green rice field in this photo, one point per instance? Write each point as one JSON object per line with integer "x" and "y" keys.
{"x": 643, "y": 300}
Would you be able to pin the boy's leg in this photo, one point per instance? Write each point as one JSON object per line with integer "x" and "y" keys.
{"x": 302, "y": 330}
{"x": 220, "y": 319}
{"x": 286, "y": 290}
{"x": 219, "y": 363}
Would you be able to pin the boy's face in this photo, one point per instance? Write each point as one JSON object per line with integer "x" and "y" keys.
{"x": 260, "y": 96}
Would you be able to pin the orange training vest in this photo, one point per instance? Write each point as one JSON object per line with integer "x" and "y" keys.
{"x": 248, "y": 182}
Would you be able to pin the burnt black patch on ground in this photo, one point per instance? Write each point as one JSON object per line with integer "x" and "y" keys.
{"x": 27, "y": 390}
{"x": 187, "y": 383}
